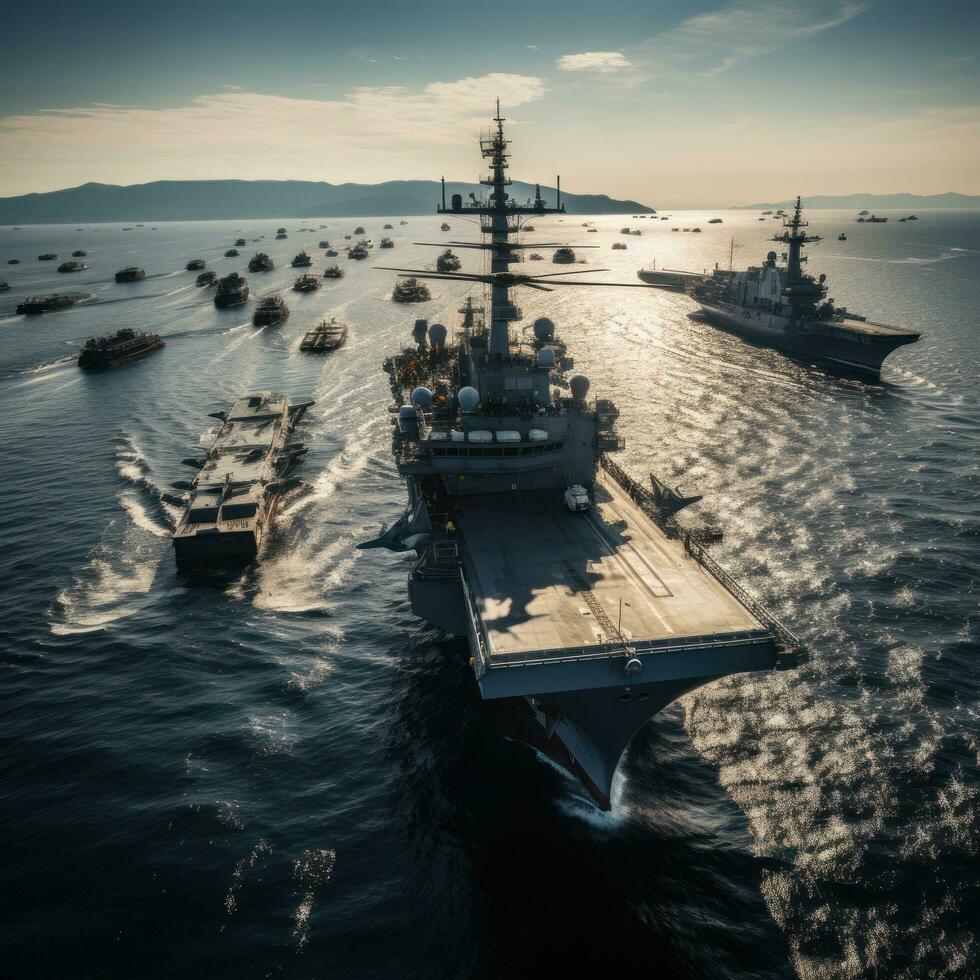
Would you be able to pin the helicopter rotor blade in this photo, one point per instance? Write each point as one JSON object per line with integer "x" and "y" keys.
{"x": 579, "y": 282}
{"x": 573, "y": 272}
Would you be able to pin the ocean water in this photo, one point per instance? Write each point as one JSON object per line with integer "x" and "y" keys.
{"x": 281, "y": 772}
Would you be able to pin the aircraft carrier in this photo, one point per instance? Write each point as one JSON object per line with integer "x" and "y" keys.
{"x": 782, "y": 306}
{"x": 586, "y": 603}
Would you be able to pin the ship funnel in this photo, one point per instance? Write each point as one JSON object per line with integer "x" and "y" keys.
{"x": 437, "y": 335}
{"x": 580, "y": 387}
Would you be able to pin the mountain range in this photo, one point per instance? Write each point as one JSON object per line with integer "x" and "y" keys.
{"x": 880, "y": 201}
{"x": 199, "y": 200}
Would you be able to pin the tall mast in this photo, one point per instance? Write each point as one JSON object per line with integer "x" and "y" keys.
{"x": 802, "y": 292}
{"x": 500, "y": 215}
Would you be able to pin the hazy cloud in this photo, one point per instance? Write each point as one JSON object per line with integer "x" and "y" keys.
{"x": 237, "y": 133}
{"x": 710, "y": 43}
{"x": 598, "y": 61}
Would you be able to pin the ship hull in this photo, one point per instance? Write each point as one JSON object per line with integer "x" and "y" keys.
{"x": 863, "y": 357}
{"x": 101, "y": 360}
{"x": 235, "y": 299}
{"x": 586, "y": 727}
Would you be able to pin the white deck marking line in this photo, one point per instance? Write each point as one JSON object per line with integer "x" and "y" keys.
{"x": 629, "y": 569}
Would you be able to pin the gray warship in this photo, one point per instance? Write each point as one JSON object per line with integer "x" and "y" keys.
{"x": 233, "y": 498}
{"x": 784, "y": 307}
{"x": 586, "y": 603}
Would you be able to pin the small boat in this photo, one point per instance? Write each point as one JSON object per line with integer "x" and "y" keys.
{"x": 386, "y": 243}
{"x": 4, "y": 286}
{"x": 696, "y": 229}
{"x": 448, "y": 261}
{"x": 358, "y": 251}
{"x": 528, "y": 228}
{"x": 232, "y": 253}
{"x": 359, "y": 230}
{"x": 624, "y": 231}
{"x": 445, "y": 227}
{"x": 387, "y": 227}
{"x": 593, "y": 230}
{"x": 270, "y": 311}
{"x": 79, "y": 253}
{"x": 842, "y": 237}
{"x": 72, "y": 267}
{"x": 194, "y": 265}
{"x": 46, "y": 304}
{"x": 333, "y": 272}
{"x": 131, "y": 273}
{"x": 410, "y": 290}
{"x": 715, "y": 221}
{"x": 122, "y": 346}
{"x": 564, "y": 254}
{"x": 280, "y": 233}
{"x": 912, "y": 217}
{"x": 535, "y": 257}
{"x": 232, "y": 291}
{"x": 13, "y": 261}
{"x": 240, "y": 242}
{"x": 331, "y": 253}
{"x": 301, "y": 261}
{"x": 260, "y": 262}
{"x": 47, "y": 256}
{"x": 207, "y": 279}
{"x": 621, "y": 245}
{"x": 306, "y": 283}
{"x": 403, "y": 222}
{"x": 327, "y": 335}
{"x": 324, "y": 243}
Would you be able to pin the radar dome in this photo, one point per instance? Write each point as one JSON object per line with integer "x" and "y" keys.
{"x": 421, "y": 398}
{"x": 544, "y": 329}
{"x": 546, "y": 357}
{"x": 468, "y": 399}
{"x": 437, "y": 335}
{"x": 580, "y": 387}
{"x": 771, "y": 256}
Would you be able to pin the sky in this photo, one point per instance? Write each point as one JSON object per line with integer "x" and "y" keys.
{"x": 673, "y": 104}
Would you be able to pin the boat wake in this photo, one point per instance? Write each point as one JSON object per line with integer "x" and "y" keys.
{"x": 118, "y": 578}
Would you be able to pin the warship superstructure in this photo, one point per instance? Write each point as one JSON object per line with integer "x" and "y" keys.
{"x": 121, "y": 347}
{"x": 587, "y": 605}
{"x": 233, "y": 498}
{"x": 782, "y": 306}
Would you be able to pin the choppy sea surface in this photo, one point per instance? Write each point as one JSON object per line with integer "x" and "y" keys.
{"x": 281, "y": 772}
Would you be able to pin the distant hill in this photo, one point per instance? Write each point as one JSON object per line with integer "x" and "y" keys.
{"x": 201, "y": 200}
{"x": 870, "y": 201}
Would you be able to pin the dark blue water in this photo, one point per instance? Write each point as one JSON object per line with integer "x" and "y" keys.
{"x": 280, "y": 772}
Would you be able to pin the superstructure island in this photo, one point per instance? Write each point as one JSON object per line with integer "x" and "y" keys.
{"x": 585, "y": 602}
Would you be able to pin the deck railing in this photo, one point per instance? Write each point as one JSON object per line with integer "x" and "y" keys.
{"x": 482, "y": 664}
{"x": 694, "y": 546}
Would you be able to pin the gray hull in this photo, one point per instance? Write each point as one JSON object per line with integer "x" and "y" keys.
{"x": 864, "y": 355}
{"x": 587, "y": 725}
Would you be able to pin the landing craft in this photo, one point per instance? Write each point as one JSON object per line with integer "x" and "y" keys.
{"x": 586, "y": 604}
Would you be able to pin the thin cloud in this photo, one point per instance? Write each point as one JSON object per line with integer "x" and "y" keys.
{"x": 711, "y": 43}
{"x": 251, "y": 135}
{"x": 603, "y": 62}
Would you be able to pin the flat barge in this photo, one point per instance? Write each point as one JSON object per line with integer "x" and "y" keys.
{"x": 234, "y": 497}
